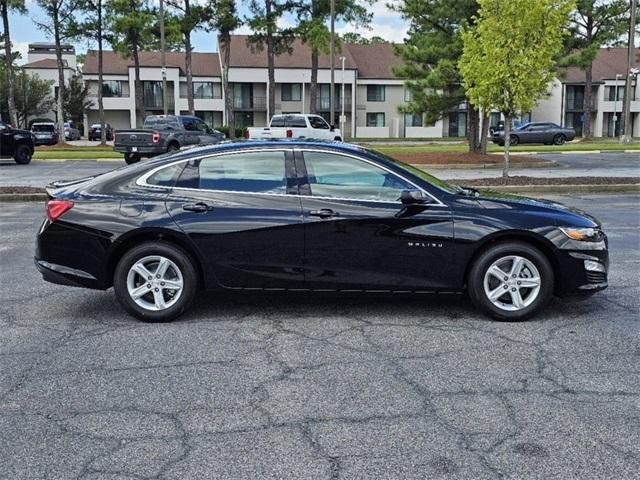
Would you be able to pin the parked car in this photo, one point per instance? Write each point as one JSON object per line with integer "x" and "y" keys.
{"x": 95, "y": 132}
{"x": 163, "y": 133}
{"x": 46, "y": 133}
{"x": 536, "y": 132}
{"x": 310, "y": 216}
{"x": 17, "y": 144}
{"x": 500, "y": 126}
{"x": 296, "y": 126}
{"x": 71, "y": 132}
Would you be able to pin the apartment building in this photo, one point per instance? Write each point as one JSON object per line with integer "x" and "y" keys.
{"x": 372, "y": 94}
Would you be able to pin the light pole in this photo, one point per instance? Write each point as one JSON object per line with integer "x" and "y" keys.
{"x": 303, "y": 93}
{"x": 332, "y": 106}
{"x": 342, "y": 119}
{"x": 625, "y": 132}
{"x": 615, "y": 105}
{"x": 163, "y": 61}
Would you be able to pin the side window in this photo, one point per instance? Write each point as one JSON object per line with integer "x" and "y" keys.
{"x": 318, "y": 122}
{"x": 166, "y": 177}
{"x": 189, "y": 124}
{"x": 251, "y": 172}
{"x": 295, "y": 121}
{"x": 338, "y": 176}
{"x": 201, "y": 126}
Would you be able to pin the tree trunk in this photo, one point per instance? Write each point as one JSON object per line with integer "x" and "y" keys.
{"x": 103, "y": 133}
{"x": 139, "y": 100}
{"x": 588, "y": 82}
{"x": 60, "y": 110}
{"x": 484, "y": 133}
{"x": 11, "y": 92}
{"x": 507, "y": 142}
{"x": 472, "y": 128}
{"x": 225, "y": 50}
{"x": 313, "y": 86}
{"x": 187, "y": 44}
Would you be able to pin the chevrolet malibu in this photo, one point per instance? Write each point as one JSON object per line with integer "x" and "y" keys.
{"x": 310, "y": 216}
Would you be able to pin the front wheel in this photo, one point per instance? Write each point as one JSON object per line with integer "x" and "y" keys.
{"x": 511, "y": 281}
{"x": 22, "y": 155}
{"x": 130, "y": 158}
{"x": 155, "y": 282}
{"x": 514, "y": 140}
{"x": 559, "y": 139}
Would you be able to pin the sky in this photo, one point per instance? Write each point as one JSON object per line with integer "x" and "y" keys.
{"x": 386, "y": 23}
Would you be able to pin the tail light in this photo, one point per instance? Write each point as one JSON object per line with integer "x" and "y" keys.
{"x": 57, "y": 208}
{"x": 156, "y": 137}
{"x": 289, "y": 133}
{"x": 246, "y": 134}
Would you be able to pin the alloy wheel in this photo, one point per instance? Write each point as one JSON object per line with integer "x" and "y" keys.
{"x": 155, "y": 283}
{"x": 512, "y": 283}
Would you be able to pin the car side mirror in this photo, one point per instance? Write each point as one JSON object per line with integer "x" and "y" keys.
{"x": 413, "y": 197}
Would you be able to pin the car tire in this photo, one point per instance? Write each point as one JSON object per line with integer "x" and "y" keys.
{"x": 559, "y": 139}
{"x": 338, "y": 139}
{"x": 22, "y": 154}
{"x": 131, "y": 158}
{"x": 156, "y": 302}
{"x": 513, "y": 140}
{"x": 523, "y": 296}
{"x": 173, "y": 147}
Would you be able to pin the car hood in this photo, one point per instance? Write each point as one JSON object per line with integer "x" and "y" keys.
{"x": 563, "y": 214}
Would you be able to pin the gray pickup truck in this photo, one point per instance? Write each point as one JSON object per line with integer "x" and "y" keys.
{"x": 162, "y": 134}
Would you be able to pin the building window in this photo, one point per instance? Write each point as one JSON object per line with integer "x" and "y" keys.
{"x": 375, "y": 93}
{"x": 291, "y": 92}
{"x": 611, "y": 94}
{"x": 375, "y": 119}
{"x": 112, "y": 88}
{"x": 206, "y": 117}
{"x": 203, "y": 90}
{"x": 412, "y": 120}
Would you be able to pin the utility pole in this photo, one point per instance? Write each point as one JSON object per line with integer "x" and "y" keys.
{"x": 625, "y": 132}
{"x": 163, "y": 61}
{"x": 332, "y": 107}
{"x": 615, "y": 105}
{"x": 342, "y": 119}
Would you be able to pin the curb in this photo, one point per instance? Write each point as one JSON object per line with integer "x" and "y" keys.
{"x": 607, "y": 188}
{"x": 462, "y": 166}
{"x": 23, "y": 197}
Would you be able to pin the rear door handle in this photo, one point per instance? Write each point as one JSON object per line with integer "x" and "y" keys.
{"x": 200, "y": 207}
{"x": 323, "y": 213}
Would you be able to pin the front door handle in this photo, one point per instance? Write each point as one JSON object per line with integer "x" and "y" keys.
{"x": 200, "y": 207}
{"x": 323, "y": 213}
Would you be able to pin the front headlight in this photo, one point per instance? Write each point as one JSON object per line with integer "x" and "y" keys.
{"x": 582, "y": 234}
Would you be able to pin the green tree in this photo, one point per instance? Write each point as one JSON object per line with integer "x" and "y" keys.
{"x": 508, "y": 57}
{"x": 268, "y": 35}
{"x": 189, "y": 19}
{"x": 355, "y": 37}
{"x": 76, "y": 101}
{"x": 430, "y": 54}
{"x": 7, "y": 6}
{"x": 594, "y": 24}
{"x": 32, "y": 95}
{"x": 61, "y": 25}
{"x": 312, "y": 29}
{"x": 131, "y": 25}
{"x": 225, "y": 19}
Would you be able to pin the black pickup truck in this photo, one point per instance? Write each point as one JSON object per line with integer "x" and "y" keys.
{"x": 16, "y": 144}
{"x": 163, "y": 133}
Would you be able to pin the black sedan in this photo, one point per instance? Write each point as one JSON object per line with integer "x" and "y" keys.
{"x": 536, "y": 132}
{"x": 95, "y": 132}
{"x": 310, "y": 216}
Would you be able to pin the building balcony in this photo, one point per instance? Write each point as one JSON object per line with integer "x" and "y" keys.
{"x": 323, "y": 104}
{"x": 255, "y": 104}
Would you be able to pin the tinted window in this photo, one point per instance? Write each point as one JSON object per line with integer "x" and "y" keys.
{"x": 318, "y": 122}
{"x": 166, "y": 177}
{"x": 277, "y": 122}
{"x": 43, "y": 128}
{"x": 255, "y": 172}
{"x": 189, "y": 124}
{"x": 338, "y": 176}
{"x": 295, "y": 121}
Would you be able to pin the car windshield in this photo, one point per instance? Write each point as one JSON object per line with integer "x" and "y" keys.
{"x": 42, "y": 128}
{"x": 436, "y": 182}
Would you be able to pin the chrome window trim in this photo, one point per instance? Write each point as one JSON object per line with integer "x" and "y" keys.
{"x": 142, "y": 180}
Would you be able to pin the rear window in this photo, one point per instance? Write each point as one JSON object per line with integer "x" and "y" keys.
{"x": 277, "y": 122}
{"x": 296, "y": 122}
{"x": 160, "y": 122}
{"x": 43, "y": 128}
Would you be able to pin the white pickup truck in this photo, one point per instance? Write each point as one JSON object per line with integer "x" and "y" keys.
{"x": 295, "y": 126}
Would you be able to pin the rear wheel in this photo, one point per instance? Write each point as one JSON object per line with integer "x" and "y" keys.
{"x": 173, "y": 147}
{"x": 514, "y": 140}
{"x": 511, "y": 281}
{"x": 559, "y": 139}
{"x": 130, "y": 158}
{"x": 338, "y": 139}
{"x": 22, "y": 155}
{"x": 155, "y": 282}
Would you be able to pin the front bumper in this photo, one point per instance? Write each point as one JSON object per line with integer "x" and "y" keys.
{"x": 582, "y": 272}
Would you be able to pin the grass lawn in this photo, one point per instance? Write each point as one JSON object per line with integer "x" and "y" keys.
{"x": 75, "y": 154}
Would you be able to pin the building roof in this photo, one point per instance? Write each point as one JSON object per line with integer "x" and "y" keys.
{"x": 376, "y": 60}
{"x": 608, "y": 62}
{"x": 45, "y": 63}
{"x": 202, "y": 64}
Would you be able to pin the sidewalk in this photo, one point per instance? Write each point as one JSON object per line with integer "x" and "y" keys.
{"x": 558, "y": 172}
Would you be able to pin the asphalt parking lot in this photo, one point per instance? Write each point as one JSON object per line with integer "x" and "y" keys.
{"x": 318, "y": 387}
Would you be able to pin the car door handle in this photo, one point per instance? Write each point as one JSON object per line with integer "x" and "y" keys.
{"x": 197, "y": 207}
{"x": 323, "y": 213}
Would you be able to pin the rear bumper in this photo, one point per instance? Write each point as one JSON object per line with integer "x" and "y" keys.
{"x": 62, "y": 275}
{"x": 143, "y": 150}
